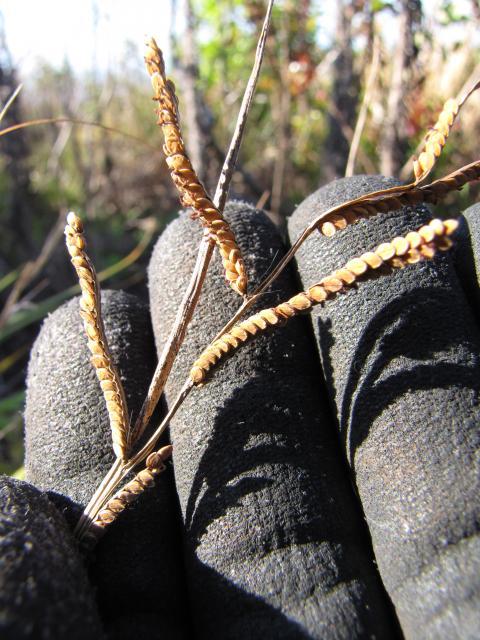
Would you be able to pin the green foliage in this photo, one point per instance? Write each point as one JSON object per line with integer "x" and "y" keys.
{"x": 450, "y": 14}
{"x": 11, "y": 432}
{"x": 380, "y": 5}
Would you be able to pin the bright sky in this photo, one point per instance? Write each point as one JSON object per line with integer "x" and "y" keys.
{"x": 55, "y": 29}
{"x": 92, "y": 33}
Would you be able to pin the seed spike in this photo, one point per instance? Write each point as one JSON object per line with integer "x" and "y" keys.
{"x": 91, "y": 313}
{"x": 192, "y": 192}
{"x": 398, "y": 253}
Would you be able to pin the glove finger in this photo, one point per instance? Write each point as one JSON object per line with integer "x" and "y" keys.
{"x": 467, "y": 256}
{"x": 68, "y": 451}
{"x": 401, "y": 357}
{"x": 275, "y": 545}
{"x": 45, "y": 591}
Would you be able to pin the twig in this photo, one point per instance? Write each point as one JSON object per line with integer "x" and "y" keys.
{"x": 390, "y": 147}
{"x": 10, "y": 101}
{"x": 262, "y": 201}
{"x": 118, "y": 472}
{"x": 283, "y": 118}
{"x": 362, "y": 116}
{"x": 58, "y": 147}
{"x": 228, "y": 168}
{"x": 205, "y": 252}
{"x": 32, "y": 269}
{"x": 61, "y": 120}
{"x": 189, "y": 68}
{"x": 175, "y": 339}
{"x": 348, "y": 132}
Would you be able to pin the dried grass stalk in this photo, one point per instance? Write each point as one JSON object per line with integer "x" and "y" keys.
{"x": 155, "y": 464}
{"x": 101, "y": 359}
{"x": 436, "y": 138}
{"x": 398, "y": 253}
{"x": 192, "y": 192}
{"x": 338, "y": 218}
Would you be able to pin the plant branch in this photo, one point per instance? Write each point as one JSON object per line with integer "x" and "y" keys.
{"x": 228, "y": 168}
{"x": 119, "y": 471}
{"x": 415, "y": 246}
{"x": 362, "y": 116}
{"x": 363, "y": 206}
{"x": 367, "y": 205}
{"x": 10, "y": 101}
{"x": 61, "y": 120}
{"x": 399, "y": 252}
{"x": 175, "y": 338}
{"x": 32, "y": 269}
{"x": 185, "y": 312}
{"x": 205, "y": 252}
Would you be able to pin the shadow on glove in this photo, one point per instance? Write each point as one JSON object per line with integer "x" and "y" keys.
{"x": 137, "y": 567}
{"x": 401, "y": 359}
{"x": 275, "y": 545}
{"x": 44, "y": 589}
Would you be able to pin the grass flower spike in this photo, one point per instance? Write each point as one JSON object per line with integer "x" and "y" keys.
{"x": 401, "y": 251}
{"x": 192, "y": 192}
{"x": 90, "y": 311}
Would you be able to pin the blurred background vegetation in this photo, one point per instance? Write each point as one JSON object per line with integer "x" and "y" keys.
{"x": 346, "y": 87}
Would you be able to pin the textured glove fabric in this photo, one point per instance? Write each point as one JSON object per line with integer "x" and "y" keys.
{"x": 400, "y": 355}
{"x": 275, "y": 544}
{"x": 467, "y": 256}
{"x": 68, "y": 451}
{"x": 44, "y": 590}
{"x": 68, "y": 441}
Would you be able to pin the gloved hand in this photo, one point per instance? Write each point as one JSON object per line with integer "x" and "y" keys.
{"x": 293, "y": 483}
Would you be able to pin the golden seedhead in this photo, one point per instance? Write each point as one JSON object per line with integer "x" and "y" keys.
{"x": 101, "y": 359}
{"x": 155, "y": 464}
{"x": 436, "y": 139}
{"x": 401, "y": 251}
{"x": 192, "y": 192}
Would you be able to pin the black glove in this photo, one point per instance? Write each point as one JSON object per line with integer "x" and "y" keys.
{"x": 401, "y": 362}
{"x": 271, "y": 542}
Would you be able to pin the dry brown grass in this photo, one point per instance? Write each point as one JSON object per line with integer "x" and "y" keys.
{"x": 108, "y": 502}
{"x": 154, "y": 466}
{"x": 90, "y": 310}
{"x": 436, "y": 138}
{"x": 192, "y": 192}
{"x": 401, "y": 251}
{"x": 339, "y": 217}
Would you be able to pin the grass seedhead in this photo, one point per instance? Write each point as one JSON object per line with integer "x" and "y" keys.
{"x": 436, "y": 138}
{"x": 401, "y": 251}
{"x": 155, "y": 465}
{"x": 192, "y": 192}
{"x": 90, "y": 311}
